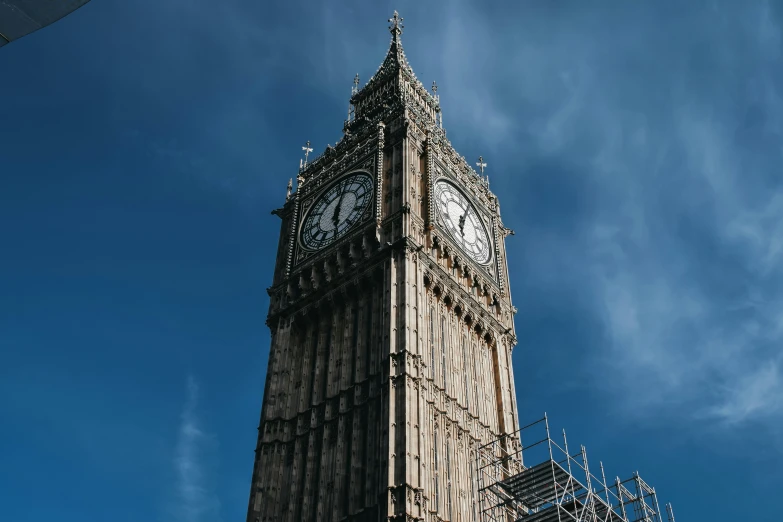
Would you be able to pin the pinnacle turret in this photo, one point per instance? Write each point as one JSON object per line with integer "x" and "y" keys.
{"x": 393, "y": 85}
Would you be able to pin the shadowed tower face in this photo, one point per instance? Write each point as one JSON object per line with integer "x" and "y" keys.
{"x": 391, "y": 320}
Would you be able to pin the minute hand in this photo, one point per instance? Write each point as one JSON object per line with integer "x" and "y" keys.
{"x": 336, "y": 215}
{"x": 462, "y": 223}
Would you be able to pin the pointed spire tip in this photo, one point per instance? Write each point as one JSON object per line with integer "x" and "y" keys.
{"x": 396, "y": 26}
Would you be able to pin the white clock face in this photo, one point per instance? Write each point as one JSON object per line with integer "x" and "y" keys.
{"x": 337, "y": 210}
{"x": 461, "y": 220}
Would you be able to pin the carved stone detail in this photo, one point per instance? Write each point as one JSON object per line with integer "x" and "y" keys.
{"x": 386, "y": 291}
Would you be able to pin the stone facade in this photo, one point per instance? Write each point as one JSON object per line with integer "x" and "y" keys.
{"x": 390, "y": 359}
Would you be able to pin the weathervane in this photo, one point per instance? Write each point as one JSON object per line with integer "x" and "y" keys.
{"x": 396, "y": 26}
{"x": 307, "y": 150}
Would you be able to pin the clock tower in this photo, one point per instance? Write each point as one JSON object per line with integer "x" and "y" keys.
{"x": 391, "y": 321}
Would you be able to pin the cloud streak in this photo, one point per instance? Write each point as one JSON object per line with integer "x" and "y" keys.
{"x": 653, "y": 157}
{"x": 196, "y": 499}
{"x": 638, "y": 154}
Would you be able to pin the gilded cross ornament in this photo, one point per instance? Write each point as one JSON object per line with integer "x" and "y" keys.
{"x": 307, "y": 150}
{"x": 396, "y": 26}
{"x": 481, "y": 165}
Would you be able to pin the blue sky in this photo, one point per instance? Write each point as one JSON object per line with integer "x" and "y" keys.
{"x": 637, "y": 148}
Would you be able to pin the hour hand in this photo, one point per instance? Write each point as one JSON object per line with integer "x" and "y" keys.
{"x": 462, "y": 223}
{"x": 336, "y": 215}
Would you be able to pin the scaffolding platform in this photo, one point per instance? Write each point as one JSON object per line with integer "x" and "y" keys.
{"x": 559, "y": 487}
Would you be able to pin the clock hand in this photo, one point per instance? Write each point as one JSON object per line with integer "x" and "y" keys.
{"x": 462, "y": 223}
{"x": 336, "y": 215}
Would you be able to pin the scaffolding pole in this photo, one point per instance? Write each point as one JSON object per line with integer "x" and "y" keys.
{"x": 543, "y": 482}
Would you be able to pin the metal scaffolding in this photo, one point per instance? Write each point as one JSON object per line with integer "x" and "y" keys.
{"x": 555, "y": 486}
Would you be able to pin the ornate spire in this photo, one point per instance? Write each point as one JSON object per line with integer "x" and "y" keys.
{"x": 397, "y": 84}
{"x": 396, "y": 26}
{"x": 395, "y": 58}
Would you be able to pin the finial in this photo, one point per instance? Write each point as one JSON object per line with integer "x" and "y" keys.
{"x": 307, "y": 150}
{"x": 396, "y": 26}
{"x": 434, "y": 88}
{"x": 354, "y": 90}
{"x": 481, "y": 165}
{"x": 290, "y": 187}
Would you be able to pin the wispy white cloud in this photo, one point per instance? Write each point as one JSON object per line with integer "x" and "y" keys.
{"x": 670, "y": 128}
{"x": 760, "y": 232}
{"x": 756, "y": 393}
{"x": 680, "y": 241}
{"x": 196, "y": 497}
{"x": 466, "y": 84}
{"x": 682, "y": 339}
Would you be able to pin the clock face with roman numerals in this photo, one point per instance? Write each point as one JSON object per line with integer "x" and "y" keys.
{"x": 337, "y": 210}
{"x": 460, "y": 218}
